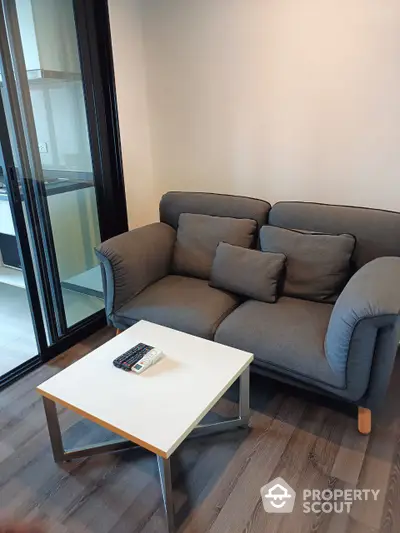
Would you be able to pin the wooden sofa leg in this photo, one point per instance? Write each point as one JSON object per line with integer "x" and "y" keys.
{"x": 364, "y": 420}
{"x": 118, "y": 331}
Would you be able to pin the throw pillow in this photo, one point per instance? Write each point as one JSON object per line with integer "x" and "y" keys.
{"x": 318, "y": 265}
{"x": 198, "y": 237}
{"x": 247, "y": 272}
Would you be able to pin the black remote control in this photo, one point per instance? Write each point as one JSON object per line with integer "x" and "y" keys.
{"x": 132, "y": 356}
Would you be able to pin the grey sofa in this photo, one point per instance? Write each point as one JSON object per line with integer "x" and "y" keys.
{"x": 345, "y": 350}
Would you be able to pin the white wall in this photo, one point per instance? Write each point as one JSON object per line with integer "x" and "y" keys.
{"x": 48, "y": 35}
{"x": 49, "y": 43}
{"x": 282, "y": 99}
{"x": 60, "y": 120}
{"x": 130, "y": 78}
{"x": 28, "y": 34}
{"x": 75, "y": 227}
{"x": 56, "y": 35}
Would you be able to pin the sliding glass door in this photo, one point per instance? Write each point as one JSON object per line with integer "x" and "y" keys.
{"x": 22, "y": 333}
{"x": 55, "y": 167}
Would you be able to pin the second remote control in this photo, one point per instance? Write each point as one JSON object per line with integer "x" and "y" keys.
{"x": 132, "y": 356}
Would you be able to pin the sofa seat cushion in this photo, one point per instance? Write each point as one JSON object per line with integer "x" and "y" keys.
{"x": 186, "y": 304}
{"x": 285, "y": 337}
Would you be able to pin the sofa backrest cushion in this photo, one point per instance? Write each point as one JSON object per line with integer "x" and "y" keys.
{"x": 377, "y": 232}
{"x": 174, "y": 203}
{"x": 198, "y": 237}
{"x": 318, "y": 265}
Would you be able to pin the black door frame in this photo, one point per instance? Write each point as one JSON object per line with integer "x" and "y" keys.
{"x": 95, "y": 50}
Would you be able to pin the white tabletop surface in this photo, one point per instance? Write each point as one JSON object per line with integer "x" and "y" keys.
{"x": 156, "y": 409}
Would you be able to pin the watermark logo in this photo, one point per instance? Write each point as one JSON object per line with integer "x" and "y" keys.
{"x": 278, "y": 496}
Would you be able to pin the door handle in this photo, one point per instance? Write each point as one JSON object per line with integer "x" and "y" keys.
{"x": 12, "y": 185}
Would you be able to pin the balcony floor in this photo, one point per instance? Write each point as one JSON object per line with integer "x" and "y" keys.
{"x": 17, "y": 338}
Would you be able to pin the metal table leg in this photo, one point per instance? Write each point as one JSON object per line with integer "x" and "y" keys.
{"x": 60, "y": 454}
{"x": 54, "y": 430}
{"x": 164, "y": 467}
{"x": 244, "y": 397}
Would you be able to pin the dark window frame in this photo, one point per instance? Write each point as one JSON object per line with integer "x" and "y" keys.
{"x": 95, "y": 49}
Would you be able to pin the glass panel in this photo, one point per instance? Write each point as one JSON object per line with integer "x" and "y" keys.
{"x": 17, "y": 337}
{"x": 51, "y": 58}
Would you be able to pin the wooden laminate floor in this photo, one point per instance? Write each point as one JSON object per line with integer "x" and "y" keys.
{"x": 308, "y": 440}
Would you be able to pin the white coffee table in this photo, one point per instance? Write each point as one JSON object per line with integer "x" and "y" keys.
{"x": 156, "y": 410}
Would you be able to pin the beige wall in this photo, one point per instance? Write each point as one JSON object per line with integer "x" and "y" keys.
{"x": 130, "y": 79}
{"x": 282, "y": 99}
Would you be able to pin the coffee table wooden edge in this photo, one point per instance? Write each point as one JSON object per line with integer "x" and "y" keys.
{"x": 103, "y": 424}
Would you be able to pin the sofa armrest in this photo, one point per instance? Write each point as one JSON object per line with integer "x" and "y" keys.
{"x": 372, "y": 293}
{"x": 134, "y": 260}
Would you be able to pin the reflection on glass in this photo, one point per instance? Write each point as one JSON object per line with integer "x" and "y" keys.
{"x": 49, "y": 42}
{"x": 17, "y": 337}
